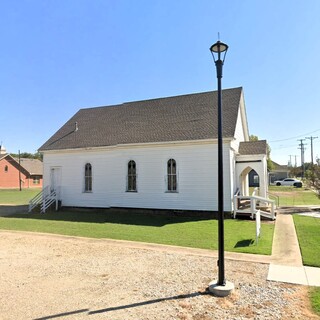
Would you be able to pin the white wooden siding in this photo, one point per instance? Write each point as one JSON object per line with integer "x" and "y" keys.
{"x": 239, "y": 133}
{"x": 241, "y": 130}
{"x": 196, "y": 167}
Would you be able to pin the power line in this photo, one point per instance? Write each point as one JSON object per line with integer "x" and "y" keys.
{"x": 284, "y": 147}
{"x": 296, "y": 137}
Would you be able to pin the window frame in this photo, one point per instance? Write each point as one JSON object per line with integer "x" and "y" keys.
{"x": 131, "y": 185}
{"x": 88, "y": 179}
{"x": 36, "y": 180}
{"x": 256, "y": 179}
{"x": 172, "y": 177}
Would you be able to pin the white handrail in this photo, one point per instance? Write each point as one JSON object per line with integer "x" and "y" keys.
{"x": 38, "y": 198}
{"x": 44, "y": 199}
{"x": 253, "y": 205}
{"x": 47, "y": 201}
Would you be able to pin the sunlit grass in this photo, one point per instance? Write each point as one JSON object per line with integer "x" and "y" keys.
{"x": 187, "y": 232}
{"x": 291, "y": 196}
{"x": 15, "y": 196}
{"x": 308, "y": 231}
{"x": 315, "y": 299}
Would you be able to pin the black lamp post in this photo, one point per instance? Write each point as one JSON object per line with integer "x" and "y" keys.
{"x": 220, "y": 288}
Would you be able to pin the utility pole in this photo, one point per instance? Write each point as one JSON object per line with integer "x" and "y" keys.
{"x": 312, "y": 167}
{"x": 302, "y": 148}
{"x": 295, "y": 160}
{"x": 19, "y": 172}
{"x": 290, "y": 162}
{"x": 311, "y": 141}
{"x": 293, "y": 168}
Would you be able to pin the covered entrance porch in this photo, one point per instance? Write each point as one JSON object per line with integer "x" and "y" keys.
{"x": 253, "y": 156}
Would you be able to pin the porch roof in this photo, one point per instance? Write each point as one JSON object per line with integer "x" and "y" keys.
{"x": 253, "y": 147}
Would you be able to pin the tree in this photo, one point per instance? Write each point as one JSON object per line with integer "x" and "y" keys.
{"x": 253, "y": 137}
{"x": 36, "y": 155}
{"x": 316, "y": 177}
{"x": 295, "y": 172}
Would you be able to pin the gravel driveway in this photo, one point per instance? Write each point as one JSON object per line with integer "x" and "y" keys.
{"x": 56, "y": 277}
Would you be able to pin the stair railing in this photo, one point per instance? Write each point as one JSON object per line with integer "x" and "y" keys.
{"x": 45, "y": 199}
{"x": 38, "y": 198}
{"x": 253, "y": 206}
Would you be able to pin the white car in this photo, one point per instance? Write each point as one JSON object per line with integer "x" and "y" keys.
{"x": 289, "y": 182}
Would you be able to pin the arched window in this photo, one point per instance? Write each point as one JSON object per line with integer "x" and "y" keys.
{"x": 172, "y": 175}
{"x": 132, "y": 176}
{"x": 88, "y": 178}
{"x": 6, "y": 168}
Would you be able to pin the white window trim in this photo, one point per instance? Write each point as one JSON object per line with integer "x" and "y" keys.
{"x": 127, "y": 176}
{"x": 84, "y": 178}
{"x": 166, "y": 176}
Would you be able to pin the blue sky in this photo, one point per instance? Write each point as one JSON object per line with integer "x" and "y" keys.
{"x": 58, "y": 56}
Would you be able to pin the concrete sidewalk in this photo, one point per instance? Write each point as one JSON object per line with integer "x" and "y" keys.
{"x": 286, "y": 261}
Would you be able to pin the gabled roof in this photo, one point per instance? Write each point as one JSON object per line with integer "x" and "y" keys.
{"x": 4, "y": 155}
{"x": 32, "y": 166}
{"x": 253, "y": 147}
{"x": 279, "y": 168}
{"x": 180, "y": 118}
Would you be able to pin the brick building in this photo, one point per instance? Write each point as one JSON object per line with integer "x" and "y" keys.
{"x": 28, "y": 171}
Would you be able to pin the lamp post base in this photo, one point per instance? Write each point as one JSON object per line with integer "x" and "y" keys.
{"x": 220, "y": 291}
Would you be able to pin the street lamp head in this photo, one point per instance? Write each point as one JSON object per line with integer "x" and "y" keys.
{"x": 218, "y": 48}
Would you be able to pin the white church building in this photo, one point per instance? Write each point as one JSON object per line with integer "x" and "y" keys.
{"x": 154, "y": 154}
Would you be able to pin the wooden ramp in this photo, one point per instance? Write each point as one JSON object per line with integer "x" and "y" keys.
{"x": 247, "y": 206}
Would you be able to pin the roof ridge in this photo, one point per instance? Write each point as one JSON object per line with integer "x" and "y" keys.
{"x": 161, "y": 98}
{"x": 181, "y": 95}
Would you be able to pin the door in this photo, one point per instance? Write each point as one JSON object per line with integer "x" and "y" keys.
{"x": 55, "y": 178}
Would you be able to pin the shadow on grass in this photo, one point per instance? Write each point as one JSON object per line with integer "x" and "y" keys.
{"x": 244, "y": 243}
{"x": 6, "y": 210}
{"x": 110, "y": 216}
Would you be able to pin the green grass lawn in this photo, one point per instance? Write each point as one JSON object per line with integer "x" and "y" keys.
{"x": 291, "y": 196}
{"x": 308, "y": 231}
{"x": 15, "y": 196}
{"x": 187, "y": 232}
{"x": 315, "y": 299}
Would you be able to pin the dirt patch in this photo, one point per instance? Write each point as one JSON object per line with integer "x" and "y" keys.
{"x": 55, "y": 277}
{"x": 303, "y": 303}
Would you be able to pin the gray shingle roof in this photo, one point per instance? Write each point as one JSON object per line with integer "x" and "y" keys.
{"x": 253, "y": 147}
{"x": 33, "y": 166}
{"x": 278, "y": 167}
{"x": 180, "y": 118}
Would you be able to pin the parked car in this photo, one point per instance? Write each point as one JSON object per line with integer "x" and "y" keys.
{"x": 289, "y": 182}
